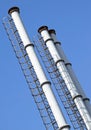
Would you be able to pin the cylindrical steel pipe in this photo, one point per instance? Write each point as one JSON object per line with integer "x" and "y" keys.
{"x": 45, "y": 84}
{"x": 65, "y": 75}
{"x": 68, "y": 65}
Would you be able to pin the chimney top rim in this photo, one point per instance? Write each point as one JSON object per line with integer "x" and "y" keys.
{"x": 12, "y": 9}
{"x": 42, "y": 28}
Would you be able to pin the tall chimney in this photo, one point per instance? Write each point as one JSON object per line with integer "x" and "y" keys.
{"x": 68, "y": 65}
{"x": 45, "y": 83}
{"x": 77, "y": 97}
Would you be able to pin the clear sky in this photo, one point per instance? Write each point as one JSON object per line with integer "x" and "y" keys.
{"x": 72, "y": 21}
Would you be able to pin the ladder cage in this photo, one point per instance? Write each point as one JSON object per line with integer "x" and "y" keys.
{"x": 59, "y": 83}
{"x": 30, "y": 75}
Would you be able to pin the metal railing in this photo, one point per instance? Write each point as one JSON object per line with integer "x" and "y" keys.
{"x": 30, "y": 75}
{"x": 59, "y": 83}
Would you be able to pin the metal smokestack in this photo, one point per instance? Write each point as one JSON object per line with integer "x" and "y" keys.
{"x": 65, "y": 75}
{"x": 68, "y": 65}
{"x": 45, "y": 84}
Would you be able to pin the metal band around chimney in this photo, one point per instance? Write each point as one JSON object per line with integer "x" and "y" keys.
{"x": 29, "y": 45}
{"x": 57, "y": 43}
{"x": 66, "y": 126}
{"x": 68, "y": 64}
{"x": 84, "y": 99}
{"x": 46, "y": 82}
{"x": 50, "y": 39}
{"x": 60, "y": 60}
{"x": 77, "y": 96}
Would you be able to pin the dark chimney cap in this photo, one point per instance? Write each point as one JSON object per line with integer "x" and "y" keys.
{"x": 11, "y": 10}
{"x": 52, "y": 31}
{"x": 42, "y": 28}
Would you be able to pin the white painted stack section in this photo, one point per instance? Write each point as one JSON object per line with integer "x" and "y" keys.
{"x": 70, "y": 70}
{"x": 65, "y": 75}
{"x": 45, "y": 84}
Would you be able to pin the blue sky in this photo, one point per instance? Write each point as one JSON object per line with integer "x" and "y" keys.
{"x": 72, "y": 22}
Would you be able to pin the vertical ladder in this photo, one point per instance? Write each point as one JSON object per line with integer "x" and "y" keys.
{"x": 30, "y": 75}
{"x": 63, "y": 92}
